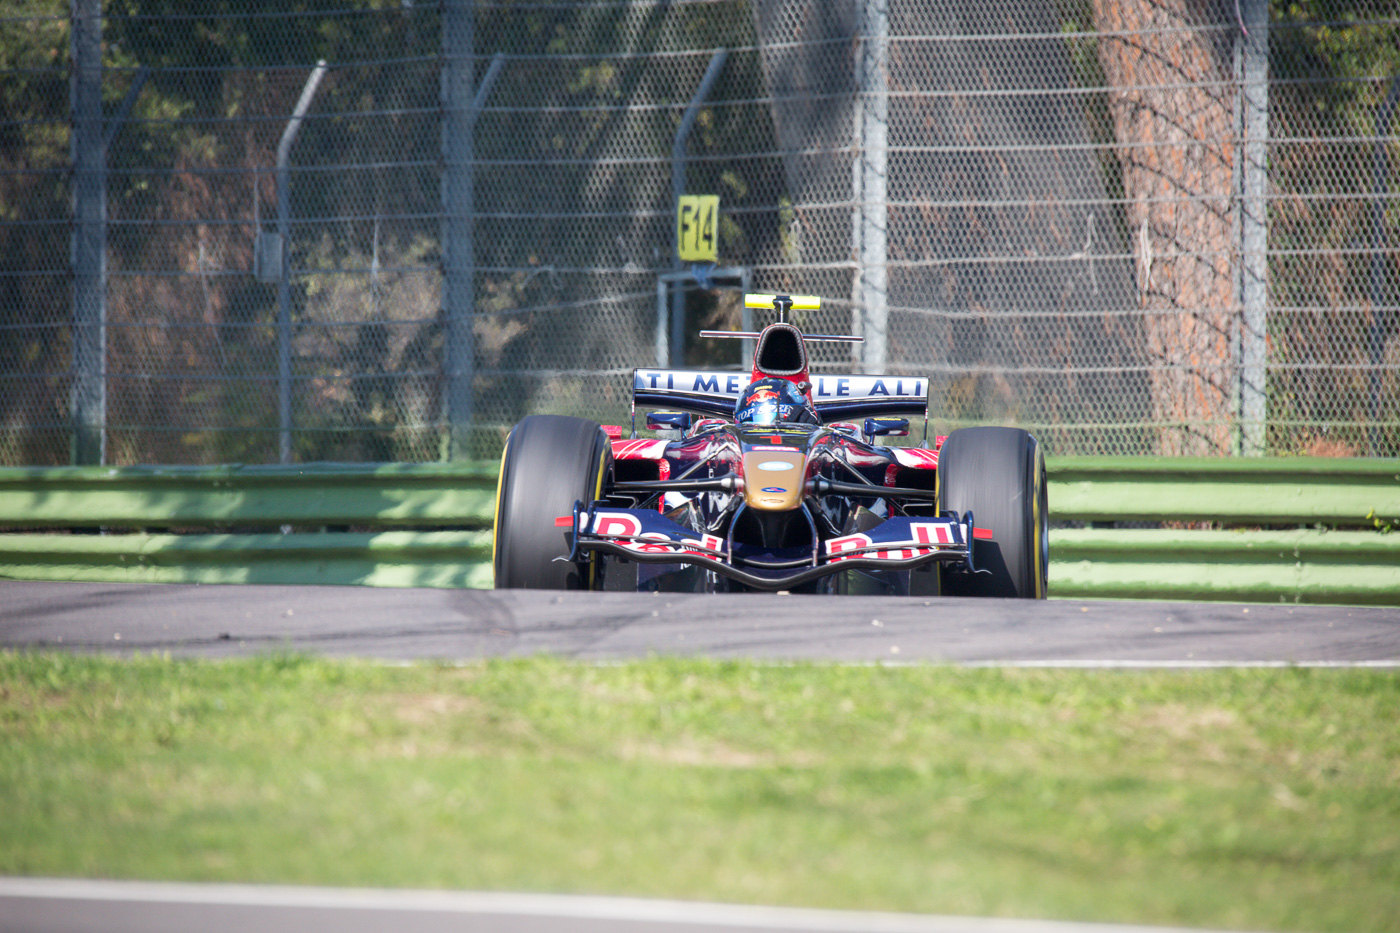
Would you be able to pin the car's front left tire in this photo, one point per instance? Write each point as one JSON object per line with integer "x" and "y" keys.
{"x": 999, "y": 475}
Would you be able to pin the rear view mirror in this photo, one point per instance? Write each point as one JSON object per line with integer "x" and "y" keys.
{"x": 668, "y": 420}
{"x": 886, "y": 427}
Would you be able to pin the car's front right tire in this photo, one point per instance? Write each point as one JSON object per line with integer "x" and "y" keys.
{"x": 550, "y": 461}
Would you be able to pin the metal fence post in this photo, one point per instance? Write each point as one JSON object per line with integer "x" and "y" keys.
{"x": 869, "y": 177}
{"x": 284, "y": 285}
{"x": 677, "y": 347}
{"x": 89, "y": 392}
{"x": 1380, "y": 308}
{"x": 458, "y": 208}
{"x": 1254, "y": 230}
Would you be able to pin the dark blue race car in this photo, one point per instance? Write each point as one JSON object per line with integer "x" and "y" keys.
{"x": 772, "y": 480}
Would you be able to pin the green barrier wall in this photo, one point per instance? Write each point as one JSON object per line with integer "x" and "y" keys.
{"x": 388, "y": 558}
{"x": 1311, "y": 530}
{"x": 383, "y": 495}
{"x": 1296, "y": 530}
{"x": 1346, "y": 567}
{"x": 1247, "y": 492}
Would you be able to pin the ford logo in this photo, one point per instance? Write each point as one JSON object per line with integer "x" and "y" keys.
{"x": 776, "y": 465}
{"x": 774, "y": 489}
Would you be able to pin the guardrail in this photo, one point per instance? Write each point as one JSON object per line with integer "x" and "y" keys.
{"x": 1340, "y": 567}
{"x": 388, "y": 558}
{"x": 379, "y": 494}
{"x": 397, "y": 524}
{"x": 1296, "y": 526}
{"x": 1289, "y": 530}
{"x": 1244, "y": 491}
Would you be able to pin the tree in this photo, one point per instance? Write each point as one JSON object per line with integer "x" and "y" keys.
{"x": 1171, "y": 102}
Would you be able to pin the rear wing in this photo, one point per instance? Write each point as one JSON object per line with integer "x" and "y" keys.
{"x": 708, "y": 393}
{"x": 837, "y": 397}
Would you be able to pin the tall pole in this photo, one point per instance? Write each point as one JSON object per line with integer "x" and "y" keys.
{"x": 284, "y": 284}
{"x": 458, "y": 208}
{"x": 707, "y": 81}
{"x": 1380, "y": 308}
{"x": 1254, "y": 230}
{"x": 89, "y": 392}
{"x": 869, "y": 181}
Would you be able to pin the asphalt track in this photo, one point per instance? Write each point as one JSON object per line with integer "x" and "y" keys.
{"x": 405, "y": 624}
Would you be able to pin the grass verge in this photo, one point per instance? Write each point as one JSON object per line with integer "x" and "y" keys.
{"x": 1248, "y": 799}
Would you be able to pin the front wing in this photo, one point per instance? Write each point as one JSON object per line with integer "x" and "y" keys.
{"x": 643, "y": 535}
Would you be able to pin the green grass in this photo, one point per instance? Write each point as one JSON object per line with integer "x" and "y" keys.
{"x": 1251, "y": 799}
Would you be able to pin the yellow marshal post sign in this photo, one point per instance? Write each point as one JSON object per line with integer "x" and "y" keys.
{"x": 697, "y": 223}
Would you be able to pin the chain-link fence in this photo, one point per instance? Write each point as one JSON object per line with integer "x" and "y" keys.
{"x": 1132, "y": 226}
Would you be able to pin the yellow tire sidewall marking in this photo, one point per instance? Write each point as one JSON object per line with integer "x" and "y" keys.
{"x": 594, "y": 559}
{"x": 496, "y": 523}
{"x": 1039, "y": 558}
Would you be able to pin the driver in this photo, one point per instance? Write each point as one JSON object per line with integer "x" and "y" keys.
{"x": 775, "y": 401}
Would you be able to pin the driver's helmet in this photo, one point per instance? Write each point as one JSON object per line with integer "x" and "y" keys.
{"x": 774, "y": 401}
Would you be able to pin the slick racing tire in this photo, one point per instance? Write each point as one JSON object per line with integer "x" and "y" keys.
{"x": 550, "y": 461}
{"x": 998, "y": 474}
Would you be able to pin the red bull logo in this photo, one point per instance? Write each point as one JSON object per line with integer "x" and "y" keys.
{"x": 763, "y": 394}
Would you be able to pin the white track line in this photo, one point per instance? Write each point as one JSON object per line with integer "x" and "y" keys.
{"x": 539, "y": 905}
{"x": 1080, "y": 663}
{"x": 1186, "y": 665}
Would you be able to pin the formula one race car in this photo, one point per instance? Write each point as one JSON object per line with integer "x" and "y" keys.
{"x": 771, "y": 484}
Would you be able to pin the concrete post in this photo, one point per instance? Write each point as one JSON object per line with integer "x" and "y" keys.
{"x": 870, "y": 173}
{"x": 1254, "y": 231}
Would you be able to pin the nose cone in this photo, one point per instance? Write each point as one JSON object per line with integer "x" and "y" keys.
{"x": 773, "y": 480}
